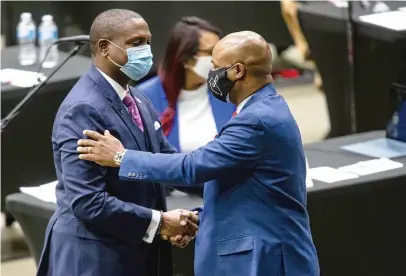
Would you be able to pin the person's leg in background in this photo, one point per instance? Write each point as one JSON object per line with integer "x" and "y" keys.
{"x": 300, "y": 52}
{"x": 289, "y": 13}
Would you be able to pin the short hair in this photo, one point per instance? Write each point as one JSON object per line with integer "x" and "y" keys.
{"x": 108, "y": 25}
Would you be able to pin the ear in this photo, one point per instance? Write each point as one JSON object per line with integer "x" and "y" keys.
{"x": 240, "y": 71}
{"x": 103, "y": 46}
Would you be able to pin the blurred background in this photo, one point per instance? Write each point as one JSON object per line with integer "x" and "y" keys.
{"x": 341, "y": 66}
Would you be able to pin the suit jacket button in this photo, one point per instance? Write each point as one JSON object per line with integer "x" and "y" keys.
{"x": 129, "y": 174}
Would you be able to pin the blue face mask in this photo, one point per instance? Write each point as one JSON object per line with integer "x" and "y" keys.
{"x": 139, "y": 61}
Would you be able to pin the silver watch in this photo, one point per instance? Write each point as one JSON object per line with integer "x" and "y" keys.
{"x": 118, "y": 157}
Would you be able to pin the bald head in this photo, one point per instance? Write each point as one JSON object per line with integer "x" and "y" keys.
{"x": 242, "y": 65}
{"x": 245, "y": 47}
{"x": 109, "y": 24}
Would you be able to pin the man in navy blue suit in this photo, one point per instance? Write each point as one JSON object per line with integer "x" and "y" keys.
{"x": 104, "y": 226}
{"x": 254, "y": 221}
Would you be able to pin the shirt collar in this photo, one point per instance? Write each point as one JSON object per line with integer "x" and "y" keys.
{"x": 241, "y": 105}
{"x": 117, "y": 87}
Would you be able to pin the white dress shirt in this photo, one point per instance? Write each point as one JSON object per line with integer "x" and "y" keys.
{"x": 309, "y": 181}
{"x": 197, "y": 125}
{"x": 156, "y": 215}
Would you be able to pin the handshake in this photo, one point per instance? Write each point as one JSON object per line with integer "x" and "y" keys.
{"x": 179, "y": 227}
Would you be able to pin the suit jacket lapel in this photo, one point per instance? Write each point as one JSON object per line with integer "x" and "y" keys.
{"x": 149, "y": 128}
{"x": 148, "y": 124}
{"x": 119, "y": 107}
{"x": 116, "y": 103}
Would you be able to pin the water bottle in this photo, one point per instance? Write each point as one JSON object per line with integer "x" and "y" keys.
{"x": 26, "y": 34}
{"x": 47, "y": 34}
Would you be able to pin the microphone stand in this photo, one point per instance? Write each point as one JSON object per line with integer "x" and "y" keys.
{"x": 16, "y": 110}
{"x": 351, "y": 71}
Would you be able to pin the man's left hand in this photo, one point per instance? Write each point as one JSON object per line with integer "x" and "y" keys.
{"x": 100, "y": 148}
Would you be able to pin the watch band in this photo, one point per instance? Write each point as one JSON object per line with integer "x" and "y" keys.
{"x": 118, "y": 157}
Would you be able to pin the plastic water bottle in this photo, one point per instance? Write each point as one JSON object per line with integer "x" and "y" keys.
{"x": 26, "y": 34}
{"x": 47, "y": 34}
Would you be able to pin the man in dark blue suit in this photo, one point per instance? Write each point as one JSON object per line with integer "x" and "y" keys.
{"x": 254, "y": 221}
{"x": 104, "y": 226}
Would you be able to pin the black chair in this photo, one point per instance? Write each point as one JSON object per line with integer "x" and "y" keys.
{"x": 33, "y": 216}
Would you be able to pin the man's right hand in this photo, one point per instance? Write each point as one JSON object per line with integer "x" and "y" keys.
{"x": 179, "y": 222}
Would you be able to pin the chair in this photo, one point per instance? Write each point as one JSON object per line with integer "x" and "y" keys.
{"x": 33, "y": 215}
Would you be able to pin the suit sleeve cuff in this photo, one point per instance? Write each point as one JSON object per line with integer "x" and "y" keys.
{"x": 153, "y": 227}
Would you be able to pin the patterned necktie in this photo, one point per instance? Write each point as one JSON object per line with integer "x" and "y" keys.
{"x": 133, "y": 110}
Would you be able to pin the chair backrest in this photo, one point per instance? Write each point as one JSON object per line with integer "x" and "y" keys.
{"x": 33, "y": 216}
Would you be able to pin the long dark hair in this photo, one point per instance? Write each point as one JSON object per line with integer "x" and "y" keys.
{"x": 183, "y": 44}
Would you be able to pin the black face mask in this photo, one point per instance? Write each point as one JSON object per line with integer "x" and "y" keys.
{"x": 218, "y": 83}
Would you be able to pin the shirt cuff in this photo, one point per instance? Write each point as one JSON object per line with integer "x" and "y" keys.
{"x": 153, "y": 227}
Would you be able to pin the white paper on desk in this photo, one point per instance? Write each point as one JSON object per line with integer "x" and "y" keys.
{"x": 20, "y": 78}
{"x": 330, "y": 175}
{"x": 45, "y": 192}
{"x": 378, "y": 148}
{"x": 339, "y": 4}
{"x": 394, "y": 20}
{"x": 371, "y": 166}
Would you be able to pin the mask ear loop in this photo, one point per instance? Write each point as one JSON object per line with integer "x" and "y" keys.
{"x": 115, "y": 63}
{"x": 231, "y": 67}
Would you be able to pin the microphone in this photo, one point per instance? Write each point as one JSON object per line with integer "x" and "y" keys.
{"x": 77, "y": 39}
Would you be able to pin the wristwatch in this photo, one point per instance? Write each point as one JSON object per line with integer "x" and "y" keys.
{"x": 118, "y": 157}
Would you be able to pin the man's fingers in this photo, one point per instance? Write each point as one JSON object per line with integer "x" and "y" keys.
{"x": 191, "y": 216}
{"x": 194, "y": 216}
{"x": 85, "y": 150}
{"x": 93, "y": 134}
{"x": 176, "y": 239}
{"x": 180, "y": 241}
{"x": 88, "y": 157}
{"x": 107, "y": 133}
{"x": 190, "y": 231}
{"x": 193, "y": 226}
{"x": 185, "y": 241}
{"x": 87, "y": 143}
{"x": 184, "y": 218}
{"x": 164, "y": 237}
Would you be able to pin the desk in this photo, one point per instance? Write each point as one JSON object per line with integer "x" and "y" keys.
{"x": 27, "y": 139}
{"x": 379, "y": 60}
{"x": 358, "y": 225}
